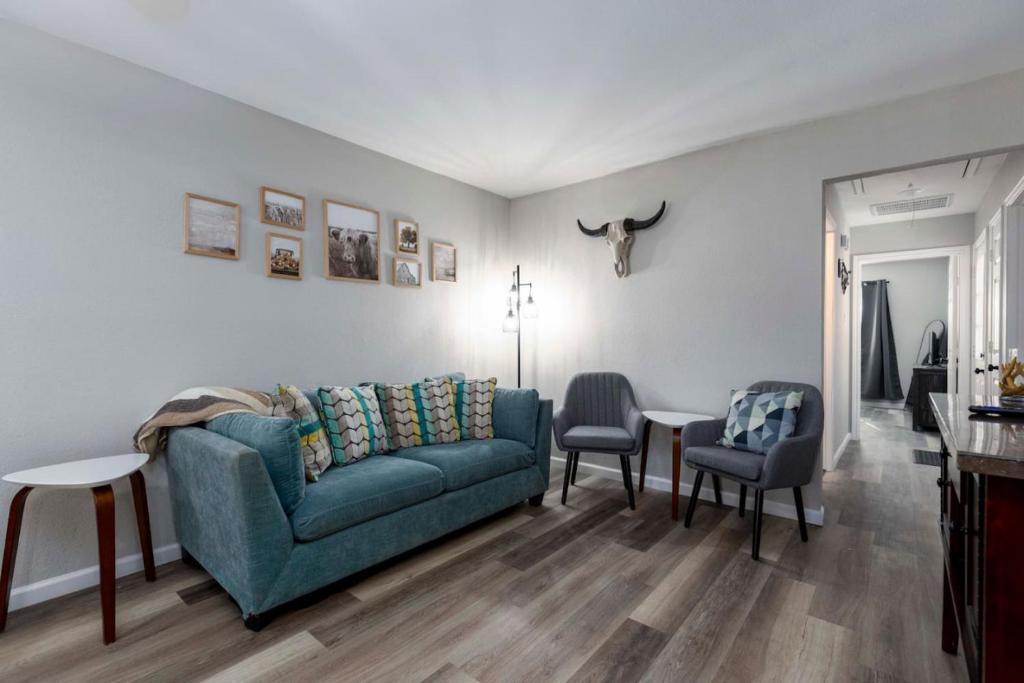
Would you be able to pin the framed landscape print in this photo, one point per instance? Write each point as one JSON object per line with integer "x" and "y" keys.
{"x": 283, "y": 209}
{"x": 406, "y": 272}
{"x": 212, "y": 227}
{"x": 283, "y": 256}
{"x": 407, "y": 236}
{"x": 351, "y": 242}
{"x": 442, "y": 262}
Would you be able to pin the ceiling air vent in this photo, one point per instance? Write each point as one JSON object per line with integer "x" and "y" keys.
{"x": 938, "y": 201}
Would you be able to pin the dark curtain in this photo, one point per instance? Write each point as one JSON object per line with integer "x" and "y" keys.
{"x": 879, "y": 373}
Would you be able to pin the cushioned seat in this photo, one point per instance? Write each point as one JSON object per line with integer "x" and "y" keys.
{"x": 346, "y": 496}
{"x": 742, "y": 464}
{"x": 465, "y": 463}
{"x": 586, "y": 437}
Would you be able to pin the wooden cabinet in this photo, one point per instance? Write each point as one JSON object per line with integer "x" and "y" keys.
{"x": 927, "y": 379}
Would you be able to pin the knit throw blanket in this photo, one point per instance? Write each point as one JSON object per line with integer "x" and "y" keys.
{"x": 193, "y": 406}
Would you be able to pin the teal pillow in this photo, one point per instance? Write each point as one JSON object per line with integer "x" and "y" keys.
{"x": 756, "y": 422}
{"x": 515, "y": 415}
{"x": 277, "y": 441}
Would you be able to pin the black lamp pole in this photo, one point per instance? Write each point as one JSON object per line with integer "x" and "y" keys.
{"x": 515, "y": 315}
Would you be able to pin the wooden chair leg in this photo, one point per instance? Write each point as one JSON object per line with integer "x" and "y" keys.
{"x": 566, "y": 476}
{"x": 743, "y": 499}
{"x": 575, "y": 466}
{"x": 758, "y": 514}
{"x": 142, "y": 521}
{"x": 627, "y": 480}
{"x": 694, "y": 495}
{"x": 717, "y": 483}
{"x": 798, "y": 497}
{"x": 103, "y": 496}
{"x": 643, "y": 455}
{"x": 11, "y": 551}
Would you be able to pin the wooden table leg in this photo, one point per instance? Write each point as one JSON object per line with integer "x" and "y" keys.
{"x": 643, "y": 455}
{"x": 142, "y": 520}
{"x": 103, "y": 496}
{"x": 677, "y": 438}
{"x": 11, "y": 551}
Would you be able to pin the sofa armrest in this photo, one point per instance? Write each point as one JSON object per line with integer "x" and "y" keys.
{"x": 227, "y": 513}
{"x": 703, "y": 432}
{"x": 791, "y": 462}
{"x": 543, "y": 438}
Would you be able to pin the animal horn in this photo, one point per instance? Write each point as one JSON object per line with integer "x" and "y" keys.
{"x": 632, "y": 225}
{"x": 600, "y": 232}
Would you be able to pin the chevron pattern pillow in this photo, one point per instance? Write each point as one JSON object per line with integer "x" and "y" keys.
{"x": 419, "y": 414}
{"x": 756, "y": 422}
{"x": 290, "y": 402}
{"x": 474, "y": 404}
{"x": 354, "y": 423}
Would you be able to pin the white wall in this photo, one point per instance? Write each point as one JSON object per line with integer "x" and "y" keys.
{"x": 841, "y": 311}
{"x": 1009, "y": 175}
{"x": 924, "y": 233}
{"x": 104, "y": 317}
{"x": 728, "y": 288}
{"x": 918, "y": 293}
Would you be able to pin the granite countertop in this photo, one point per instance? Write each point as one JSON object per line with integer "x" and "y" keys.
{"x": 981, "y": 444}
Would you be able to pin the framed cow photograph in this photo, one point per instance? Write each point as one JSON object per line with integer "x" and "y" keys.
{"x": 351, "y": 242}
{"x": 283, "y": 209}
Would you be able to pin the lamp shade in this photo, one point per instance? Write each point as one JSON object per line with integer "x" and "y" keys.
{"x": 511, "y": 322}
{"x": 530, "y": 308}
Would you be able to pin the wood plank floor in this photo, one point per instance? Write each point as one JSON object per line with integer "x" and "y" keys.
{"x": 587, "y": 592}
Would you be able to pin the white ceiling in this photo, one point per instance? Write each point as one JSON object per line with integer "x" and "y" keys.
{"x": 967, "y": 181}
{"x": 518, "y": 96}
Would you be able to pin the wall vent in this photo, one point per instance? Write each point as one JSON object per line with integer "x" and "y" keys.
{"x": 938, "y": 201}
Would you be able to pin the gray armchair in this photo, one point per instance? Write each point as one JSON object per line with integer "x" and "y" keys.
{"x": 788, "y": 464}
{"x": 599, "y": 415}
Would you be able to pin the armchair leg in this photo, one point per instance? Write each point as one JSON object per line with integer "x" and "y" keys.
{"x": 717, "y": 483}
{"x": 575, "y": 466}
{"x": 758, "y": 518}
{"x": 643, "y": 455}
{"x": 743, "y": 499}
{"x": 799, "y": 498}
{"x": 694, "y": 495}
{"x": 627, "y": 479}
{"x": 566, "y": 476}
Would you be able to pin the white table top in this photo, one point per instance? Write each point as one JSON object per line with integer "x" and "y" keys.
{"x": 672, "y": 419}
{"x": 80, "y": 473}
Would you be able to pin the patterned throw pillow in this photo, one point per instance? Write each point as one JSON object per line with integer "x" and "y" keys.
{"x": 316, "y": 454}
{"x": 354, "y": 423}
{"x": 756, "y": 422}
{"x": 419, "y": 414}
{"x": 474, "y": 405}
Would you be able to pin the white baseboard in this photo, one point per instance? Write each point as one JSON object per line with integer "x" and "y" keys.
{"x": 842, "y": 449}
{"x": 771, "y": 507}
{"x": 56, "y": 586}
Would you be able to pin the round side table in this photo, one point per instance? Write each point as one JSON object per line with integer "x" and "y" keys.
{"x": 96, "y": 474}
{"x": 676, "y": 422}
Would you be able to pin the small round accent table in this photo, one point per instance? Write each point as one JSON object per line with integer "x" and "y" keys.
{"x": 676, "y": 422}
{"x": 96, "y": 474}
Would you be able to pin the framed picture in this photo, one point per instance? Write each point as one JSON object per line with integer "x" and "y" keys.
{"x": 283, "y": 256}
{"x": 407, "y": 236}
{"x": 442, "y": 261}
{"x": 351, "y": 242}
{"x": 282, "y": 209}
{"x": 212, "y": 227}
{"x": 406, "y": 272}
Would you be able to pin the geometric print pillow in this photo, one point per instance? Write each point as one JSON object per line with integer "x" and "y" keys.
{"x": 756, "y": 422}
{"x": 316, "y": 454}
{"x": 419, "y": 414}
{"x": 355, "y": 425}
{"x": 474, "y": 404}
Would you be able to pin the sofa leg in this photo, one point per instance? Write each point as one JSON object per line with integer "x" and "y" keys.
{"x": 627, "y": 480}
{"x": 566, "y": 476}
{"x": 694, "y": 495}
{"x": 188, "y": 560}
{"x": 537, "y": 500}
{"x": 717, "y": 484}
{"x": 798, "y": 497}
{"x": 575, "y": 466}
{"x": 755, "y": 551}
{"x": 256, "y": 622}
{"x": 743, "y": 499}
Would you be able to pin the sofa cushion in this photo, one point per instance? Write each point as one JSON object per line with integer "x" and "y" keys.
{"x": 757, "y": 421}
{"x": 291, "y": 402}
{"x": 277, "y": 441}
{"x": 742, "y": 464}
{"x": 584, "y": 437}
{"x": 419, "y": 414}
{"x": 515, "y": 415}
{"x": 346, "y": 496}
{"x": 474, "y": 406}
{"x": 468, "y": 462}
{"x": 354, "y": 423}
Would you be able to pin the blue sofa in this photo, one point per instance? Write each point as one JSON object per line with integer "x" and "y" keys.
{"x": 244, "y": 512}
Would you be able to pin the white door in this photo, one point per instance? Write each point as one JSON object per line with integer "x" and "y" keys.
{"x": 994, "y": 292}
{"x": 979, "y": 277}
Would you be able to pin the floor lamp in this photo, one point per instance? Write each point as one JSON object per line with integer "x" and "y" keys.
{"x": 517, "y": 310}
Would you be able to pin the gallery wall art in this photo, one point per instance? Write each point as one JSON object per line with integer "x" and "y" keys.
{"x": 406, "y": 272}
{"x": 283, "y": 256}
{"x": 442, "y": 261}
{"x": 212, "y": 227}
{"x": 283, "y": 209}
{"x": 407, "y": 236}
{"x": 351, "y": 242}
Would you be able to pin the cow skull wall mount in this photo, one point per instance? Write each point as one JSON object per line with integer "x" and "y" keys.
{"x": 619, "y": 237}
